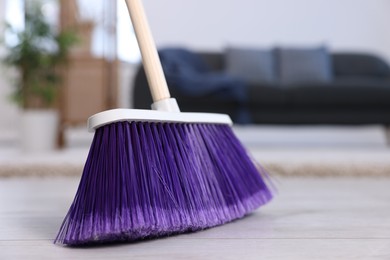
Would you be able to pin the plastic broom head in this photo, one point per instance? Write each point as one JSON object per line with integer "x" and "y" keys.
{"x": 146, "y": 179}
{"x": 156, "y": 173}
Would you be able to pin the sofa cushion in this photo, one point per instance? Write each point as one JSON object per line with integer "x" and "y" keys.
{"x": 343, "y": 92}
{"x": 225, "y": 86}
{"x": 355, "y": 64}
{"x": 304, "y": 66}
{"x": 252, "y": 65}
{"x": 188, "y": 73}
{"x": 215, "y": 60}
{"x": 182, "y": 61}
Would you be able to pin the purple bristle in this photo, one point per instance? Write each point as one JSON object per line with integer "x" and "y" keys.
{"x": 144, "y": 180}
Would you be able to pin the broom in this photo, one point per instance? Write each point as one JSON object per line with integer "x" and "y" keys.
{"x": 153, "y": 173}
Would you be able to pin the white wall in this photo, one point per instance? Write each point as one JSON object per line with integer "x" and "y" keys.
{"x": 214, "y": 24}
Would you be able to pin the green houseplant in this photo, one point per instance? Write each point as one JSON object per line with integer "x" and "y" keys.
{"x": 37, "y": 55}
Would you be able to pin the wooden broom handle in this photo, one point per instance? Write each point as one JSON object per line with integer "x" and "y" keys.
{"x": 153, "y": 69}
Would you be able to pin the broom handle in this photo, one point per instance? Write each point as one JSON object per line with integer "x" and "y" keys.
{"x": 154, "y": 72}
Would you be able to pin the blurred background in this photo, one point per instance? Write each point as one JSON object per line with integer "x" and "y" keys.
{"x": 306, "y": 82}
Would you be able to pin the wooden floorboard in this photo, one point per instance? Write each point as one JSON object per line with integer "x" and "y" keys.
{"x": 310, "y": 218}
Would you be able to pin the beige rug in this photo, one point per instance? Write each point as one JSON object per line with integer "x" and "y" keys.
{"x": 283, "y": 151}
{"x": 302, "y": 169}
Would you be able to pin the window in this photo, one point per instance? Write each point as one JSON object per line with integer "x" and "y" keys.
{"x": 128, "y": 49}
{"x": 125, "y": 44}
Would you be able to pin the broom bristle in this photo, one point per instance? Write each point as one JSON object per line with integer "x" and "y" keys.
{"x": 144, "y": 180}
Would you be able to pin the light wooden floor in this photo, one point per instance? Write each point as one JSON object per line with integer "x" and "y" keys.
{"x": 340, "y": 218}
